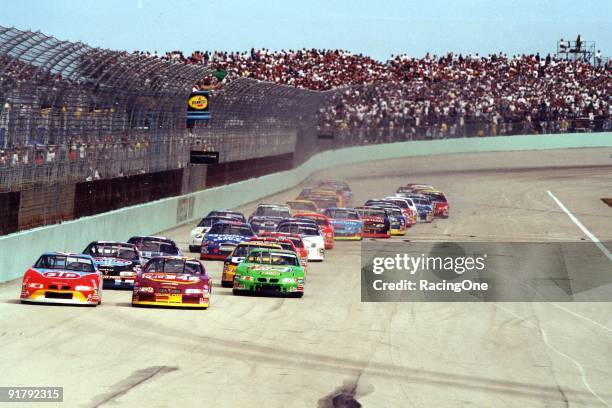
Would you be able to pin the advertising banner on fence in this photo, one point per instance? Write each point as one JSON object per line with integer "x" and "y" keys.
{"x": 198, "y": 105}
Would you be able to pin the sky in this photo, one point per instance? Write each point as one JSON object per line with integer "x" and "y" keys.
{"x": 375, "y": 28}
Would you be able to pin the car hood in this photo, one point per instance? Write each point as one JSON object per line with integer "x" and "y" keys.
{"x": 174, "y": 279}
{"x": 272, "y": 270}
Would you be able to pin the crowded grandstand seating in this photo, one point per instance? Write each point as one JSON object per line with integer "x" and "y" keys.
{"x": 434, "y": 96}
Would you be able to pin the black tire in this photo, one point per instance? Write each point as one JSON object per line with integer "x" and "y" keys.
{"x": 194, "y": 248}
{"x": 227, "y": 284}
{"x": 236, "y": 292}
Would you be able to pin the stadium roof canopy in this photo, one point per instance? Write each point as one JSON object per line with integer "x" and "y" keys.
{"x": 33, "y": 53}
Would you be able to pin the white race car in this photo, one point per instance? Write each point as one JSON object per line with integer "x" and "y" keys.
{"x": 313, "y": 238}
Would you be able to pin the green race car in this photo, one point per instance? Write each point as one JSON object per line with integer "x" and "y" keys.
{"x": 270, "y": 271}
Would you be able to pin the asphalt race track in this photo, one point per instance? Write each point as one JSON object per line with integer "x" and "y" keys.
{"x": 329, "y": 348}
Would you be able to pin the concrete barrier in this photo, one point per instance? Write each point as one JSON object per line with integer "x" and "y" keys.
{"x": 19, "y": 250}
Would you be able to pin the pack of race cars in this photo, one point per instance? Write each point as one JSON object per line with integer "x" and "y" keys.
{"x": 267, "y": 253}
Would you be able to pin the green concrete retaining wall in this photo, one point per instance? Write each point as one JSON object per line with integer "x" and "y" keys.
{"x": 20, "y": 250}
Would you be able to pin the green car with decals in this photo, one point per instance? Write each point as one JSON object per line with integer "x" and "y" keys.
{"x": 270, "y": 271}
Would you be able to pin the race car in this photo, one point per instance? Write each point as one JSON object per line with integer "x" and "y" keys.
{"x": 297, "y": 206}
{"x": 323, "y": 223}
{"x": 341, "y": 187}
{"x": 311, "y": 235}
{"x": 325, "y": 198}
{"x": 223, "y": 237}
{"x": 155, "y": 246}
{"x": 172, "y": 281}
{"x": 440, "y": 203}
{"x": 397, "y": 221}
{"x": 297, "y": 241}
{"x": 119, "y": 262}
{"x": 195, "y": 241}
{"x": 376, "y": 222}
{"x": 286, "y": 244}
{"x": 227, "y": 213}
{"x": 270, "y": 271}
{"x": 407, "y": 206}
{"x": 60, "y": 277}
{"x": 237, "y": 256}
{"x": 423, "y": 204}
{"x": 346, "y": 223}
{"x": 413, "y": 188}
{"x": 267, "y": 216}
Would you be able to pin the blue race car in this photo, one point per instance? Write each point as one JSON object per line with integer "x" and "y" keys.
{"x": 223, "y": 237}
{"x": 346, "y": 223}
{"x": 424, "y": 206}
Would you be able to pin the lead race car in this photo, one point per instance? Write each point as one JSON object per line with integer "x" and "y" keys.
{"x": 59, "y": 277}
{"x": 172, "y": 281}
{"x": 270, "y": 271}
{"x": 119, "y": 262}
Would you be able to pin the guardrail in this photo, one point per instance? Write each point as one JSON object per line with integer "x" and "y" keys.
{"x": 19, "y": 250}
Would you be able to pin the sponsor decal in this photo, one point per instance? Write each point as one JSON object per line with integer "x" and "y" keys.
{"x": 62, "y": 275}
{"x": 199, "y": 102}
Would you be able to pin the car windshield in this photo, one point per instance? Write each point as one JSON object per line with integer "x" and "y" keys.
{"x": 210, "y": 221}
{"x": 163, "y": 247}
{"x": 112, "y": 251}
{"x": 66, "y": 263}
{"x": 175, "y": 266}
{"x": 371, "y": 212}
{"x": 399, "y": 203}
{"x": 272, "y": 212}
{"x": 342, "y": 214}
{"x": 273, "y": 258}
{"x": 227, "y": 214}
{"x": 231, "y": 229}
{"x": 421, "y": 201}
{"x": 437, "y": 197}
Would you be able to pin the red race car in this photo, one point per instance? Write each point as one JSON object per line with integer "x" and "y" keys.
{"x": 376, "y": 222}
{"x": 285, "y": 244}
{"x": 440, "y": 203}
{"x": 297, "y": 242}
{"x": 172, "y": 281}
{"x": 323, "y": 223}
{"x": 59, "y": 277}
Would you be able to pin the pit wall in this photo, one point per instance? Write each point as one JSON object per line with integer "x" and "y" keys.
{"x": 18, "y": 251}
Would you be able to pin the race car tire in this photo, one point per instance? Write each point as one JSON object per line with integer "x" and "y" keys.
{"x": 237, "y": 292}
{"x": 193, "y": 248}
{"x": 227, "y": 284}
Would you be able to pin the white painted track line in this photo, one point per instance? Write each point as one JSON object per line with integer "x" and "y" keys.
{"x": 581, "y": 226}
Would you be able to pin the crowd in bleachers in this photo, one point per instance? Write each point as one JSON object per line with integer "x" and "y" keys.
{"x": 434, "y": 96}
